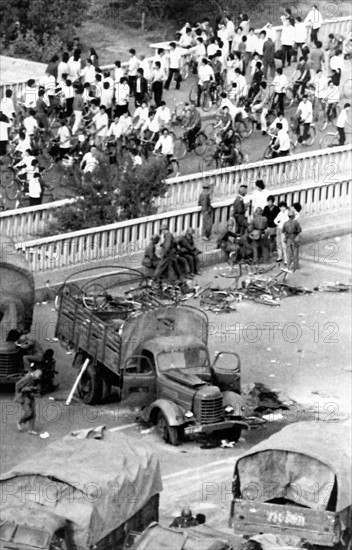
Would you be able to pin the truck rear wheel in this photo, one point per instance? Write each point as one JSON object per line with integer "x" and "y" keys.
{"x": 170, "y": 434}
{"x": 90, "y": 386}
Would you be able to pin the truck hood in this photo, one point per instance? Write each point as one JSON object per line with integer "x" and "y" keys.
{"x": 182, "y": 376}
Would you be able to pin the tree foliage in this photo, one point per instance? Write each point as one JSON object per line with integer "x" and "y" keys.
{"x": 40, "y": 22}
{"x": 104, "y": 199}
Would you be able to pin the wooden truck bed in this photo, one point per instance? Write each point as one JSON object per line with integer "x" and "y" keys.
{"x": 252, "y": 518}
{"x": 81, "y": 329}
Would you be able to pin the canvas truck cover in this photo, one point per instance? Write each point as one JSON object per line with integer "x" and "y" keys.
{"x": 165, "y": 321}
{"x": 95, "y": 484}
{"x": 304, "y": 460}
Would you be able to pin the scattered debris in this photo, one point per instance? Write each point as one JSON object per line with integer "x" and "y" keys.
{"x": 226, "y": 444}
{"x": 44, "y": 435}
{"x": 334, "y": 287}
{"x": 147, "y": 431}
{"x": 273, "y": 417}
{"x": 260, "y": 399}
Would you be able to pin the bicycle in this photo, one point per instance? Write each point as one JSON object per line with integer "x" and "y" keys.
{"x": 180, "y": 115}
{"x": 217, "y": 160}
{"x": 209, "y": 95}
{"x": 270, "y": 151}
{"x": 214, "y": 137}
{"x": 295, "y": 133}
{"x": 181, "y": 145}
{"x": 328, "y": 114}
{"x": 331, "y": 139}
{"x": 171, "y": 164}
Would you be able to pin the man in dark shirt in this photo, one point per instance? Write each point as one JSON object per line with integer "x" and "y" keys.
{"x": 185, "y": 520}
{"x": 141, "y": 93}
{"x": 194, "y": 125}
{"x": 41, "y": 110}
{"x": 268, "y": 57}
{"x": 150, "y": 258}
{"x": 188, "y": 250}
{"x": 239, "y": 210}
{"x": 168, "y": 254}
{"x": 291, "y": 231}
{"x": 270, "y": 211}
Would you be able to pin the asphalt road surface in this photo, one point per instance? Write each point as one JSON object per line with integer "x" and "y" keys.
{"x": 301, "y": 349}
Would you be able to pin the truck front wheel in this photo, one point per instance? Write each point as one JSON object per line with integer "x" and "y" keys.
{"x": 170, "y": 434}
{"x": 90, "y": 386}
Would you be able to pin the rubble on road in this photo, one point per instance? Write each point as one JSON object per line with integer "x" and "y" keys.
{"x": 334, "y": 287}
{"x": 261, "y": 400}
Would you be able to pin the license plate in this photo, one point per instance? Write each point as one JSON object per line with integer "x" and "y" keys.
{"x": 193, "y": 430}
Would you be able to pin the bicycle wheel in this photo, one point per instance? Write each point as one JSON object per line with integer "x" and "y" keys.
{"x": 205, "y": 101}
{"x": 200, "y": 144}
{"x": 242, "y": 129}
{"x": 173, "y": 168}
{"x": 185, "y": 71}
{"x": 289, "y": 99}
{"x": 193, "y": 94}
{"x": 322, "y": 120}
{"x": 207, "y": 165}
{"x": 210, "y": 150}
{"x": 311, "y": 138}
{"x": 268, "y": 153}
{"x": 13, "y": 190}
{"x": 180, "y": 148}
{"x": 329, "y": 140}
{"x": 210, "y": 131}
{"x": 237, "y": 141}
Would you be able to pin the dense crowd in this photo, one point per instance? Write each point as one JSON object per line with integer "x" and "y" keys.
{"x": 77, "y": 109}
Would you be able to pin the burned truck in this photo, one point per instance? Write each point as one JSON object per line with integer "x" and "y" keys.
{"x": 80, "y": 493}
{"x": 160, "y": 353}
{"x": 17, "y": 298}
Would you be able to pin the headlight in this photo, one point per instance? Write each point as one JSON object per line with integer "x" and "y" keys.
{"x": 188, "y": 414}
{"x": 228, "y": 409}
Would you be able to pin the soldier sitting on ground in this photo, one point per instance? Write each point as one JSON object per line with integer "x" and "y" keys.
{"x": 32, "y": 351}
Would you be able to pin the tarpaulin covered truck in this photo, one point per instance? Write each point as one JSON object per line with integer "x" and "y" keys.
{"x": 297, "y": 483}
{"x": 16, "y": 308}
{"x": 161, "y": 353}
{"x": 80, "y": 494}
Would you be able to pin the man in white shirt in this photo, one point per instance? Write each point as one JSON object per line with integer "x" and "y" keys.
{"x": 140, "y": 115}
{"x": 165, "y": 143}
{"x": 23, "y": 144}
{"x": 107, "y": 97}
{"x": 101, "y": 125}
{"x": 251, "y": 45}
{"x": 305, "y": 117}
{"x": 314, "y": 19}
{"x": 30, "y": 95}
{"x": 118, "y": 72}
{"x": 230, "y": 31}
{"x": 122, "y": 93}
{"x": 163, "y": 115}
{"x": 198, "y": 51}
{"x": 341, "y": 123}
{"x": 186, "y": 39}
{"x": 7, "y": 106}
{"x": 287, "y": 41}
{"x": 88, "y": 73}
{"x": 90, "y": 161}
{"x": 280, "y": 118}
{"x": 300, "y": 34}
{"x": 30, "y": 124}
{"x": 151, "y": 125}
{"x": 205, "y": 77}
{"x": 174, "y": 66}
{"x": 64, "y": 135}
{"x": 233, "y": 110}
{"x": 282, "y": 141}
{"x": 242, "y": 86}
{"x": 35, "y": 191}
{"x": 320, "y": 85}
{"x": 133, "y": 66}
{"x": 145, "y": 65}
{"x": 260, "y": 196}
{"x": 337, "y": 64}
{"x": 62, "y": 68}
{"x": 280, "y": 219}
{"x": 279, "y": 85}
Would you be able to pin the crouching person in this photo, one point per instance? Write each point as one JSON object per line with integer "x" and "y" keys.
{"x": 188, "y": 250}
{"x": 150, "y": 259}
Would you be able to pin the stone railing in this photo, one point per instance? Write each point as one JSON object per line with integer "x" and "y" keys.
{"x": 318, "y": 166}
{"x": 124, "y": 239}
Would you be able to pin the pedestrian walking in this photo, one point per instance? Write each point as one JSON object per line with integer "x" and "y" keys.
{"x": 207, "y": 211}
{"x": 315, "y": 20}
{"x": 25, "y": 390}
{"x": 341, "y": 123}
{"x": 291, "y": 233}
{"x": 280, "y": 220}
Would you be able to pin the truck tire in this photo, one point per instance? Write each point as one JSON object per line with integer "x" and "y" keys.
{"x": 170, "y": 434}
{"x": 234, "y": 433}
{"x": 105, "y": 390}
{"x": 90, "y": 386}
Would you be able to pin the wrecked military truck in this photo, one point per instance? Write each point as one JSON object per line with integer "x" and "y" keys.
{"x": 161, "y": 352}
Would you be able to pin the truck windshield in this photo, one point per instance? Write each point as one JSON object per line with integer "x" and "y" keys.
{"x": 191, "y": 358}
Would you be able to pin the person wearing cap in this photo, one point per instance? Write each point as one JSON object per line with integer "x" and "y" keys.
{"x": 185, "y": 520}
{"x": 291, "y": 233}
{"x": 188, "y": 250}
{"x": 150, "y": 258}
{"x": 204, "y": 202}
{"x": 25, "y": 389}
{"x": 239, "y": 210}
{"x": 32, "y": 351}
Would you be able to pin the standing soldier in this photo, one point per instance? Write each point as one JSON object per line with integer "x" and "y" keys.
{"x": 25, "y": 389}
{"x": 291, "y": 231}
{"x": 207, "y": 211}
{"x": 239, "y": 210}
{"x": 168, "y": 255}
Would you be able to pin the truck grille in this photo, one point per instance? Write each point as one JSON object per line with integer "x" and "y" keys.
{"x": 10, "y": 365}
{"x": 211, "y": 410}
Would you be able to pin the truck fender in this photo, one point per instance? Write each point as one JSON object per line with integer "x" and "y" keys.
{"x": 173, "y": 413}
{"x": 236, "y": 401}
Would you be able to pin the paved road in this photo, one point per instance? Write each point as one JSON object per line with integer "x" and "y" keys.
{"x": 304, "y": 356}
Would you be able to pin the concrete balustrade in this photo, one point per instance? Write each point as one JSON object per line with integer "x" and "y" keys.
{"x": 125, "y": 239}
{"x": 323, "y": 166}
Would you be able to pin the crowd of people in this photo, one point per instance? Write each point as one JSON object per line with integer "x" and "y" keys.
{"x": 271, "y": 233}
{"x": 98, "y": 102}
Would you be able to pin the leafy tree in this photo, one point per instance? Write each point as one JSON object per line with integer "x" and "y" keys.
{"x": 104, "y": 199}
{"x": 40, "y": 21}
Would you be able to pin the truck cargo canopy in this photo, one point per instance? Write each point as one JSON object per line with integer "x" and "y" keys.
{"x": 97, "y": 484}
{"x": 303, "y": 463}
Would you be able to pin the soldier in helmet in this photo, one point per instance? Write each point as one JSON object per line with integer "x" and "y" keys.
{"x": 168, "y": 254}
{"x": 291, "y": 231}
{"x": 185, "y": 520}
{"x": 150, "y": 258}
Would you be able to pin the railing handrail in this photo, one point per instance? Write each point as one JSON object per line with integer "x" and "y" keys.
{"x": 190, "y": 177}
{"x": 159, "y": 217}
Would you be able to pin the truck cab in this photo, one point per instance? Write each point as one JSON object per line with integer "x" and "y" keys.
{"x": 182, "y": 391}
